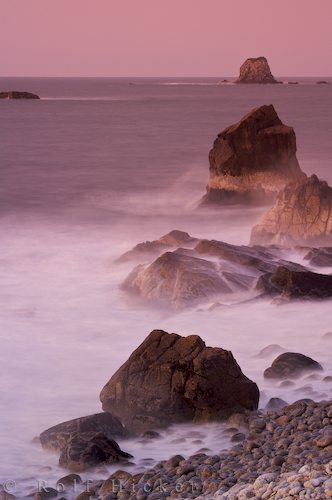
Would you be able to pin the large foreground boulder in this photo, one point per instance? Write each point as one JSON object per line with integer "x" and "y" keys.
{"x": 58, "y": 436}
{"x": 291, "y": 365}
{"x": 14, "y": 94}
{"x": 171, "y": 379}
{"x": 256, "y": 70}
{"x": 302, "y": 214}
{"x": 252, "y": 160}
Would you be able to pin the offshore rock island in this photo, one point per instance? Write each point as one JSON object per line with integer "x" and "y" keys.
{"x": 256, "y": 70}
{"x": 14, "y": 94}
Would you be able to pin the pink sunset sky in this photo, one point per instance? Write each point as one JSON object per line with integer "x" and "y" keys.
{"x": 164, "y": 37}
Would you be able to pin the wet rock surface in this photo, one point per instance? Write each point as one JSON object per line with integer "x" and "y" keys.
{"x": 296, "y": 284}
{"x": 291, "y": 365}
{"x": 177, "y": 279}
{"x": 302, "y": 214}
{"x": 283, "y": 454}
{"x": 144, "y": 251}
{"x": 58, "y": 436}
{"x": 252, "y": 160}
{"x": 215, "y": 271}
{"x": 173, "y": 379}
{"x": 88, "y": 449}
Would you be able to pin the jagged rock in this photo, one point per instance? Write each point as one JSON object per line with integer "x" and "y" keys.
{"x": 177, "y": 280}
{"x": 252, "y": 160}
{"x": 212, "y": 270}
{"x": 302, "y": 214}
{"x": 291, "y": 365}
{"x": 256, "y": 70}
{"x": 13, "y": 94}
{"x": 88, "y": 449}
{"x": 296, "y": 284}
{"x": 150, "y": 249}
{"x": 257, "y": 258}
{"x": 171, "y": 379}
{"x": 58, "y": 436}
{"x": 320, "y": 257}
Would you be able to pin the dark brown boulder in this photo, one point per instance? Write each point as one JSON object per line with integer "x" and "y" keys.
{"x": 58, "y": 436}
{"x": 13, "y": 94}
{"x": 302, "y": 214}
{"x": 256, "y": 70}
{"x": 88, "y": 449}
{"x": 171, "y": 379}
{"x": 291, "y": 365}
{"x": 296, "y": 284}
{"x": 149, "y": 249}
{"x": 252, "y": 160}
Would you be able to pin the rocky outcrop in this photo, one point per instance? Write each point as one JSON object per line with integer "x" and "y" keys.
{"x": 13, "y": 94}
{"x": 88, "y": 449}
{"x": 256, "y": 70}
{"x": 86, "y": 441}
{"x": 302, "y": 214}
{"x": 252, "y": 160}
{"x": 296, "y": 284}
{"x": 320, "y": 257}
{"x": 58, "y": 436}
{"x": 177, "y": 280}
{"x": 171, "y": 379}
{"x": 286, "y": 454}
{"x": 148, "y": 249}
{"x": 218, "y": 271}
{"x": 291, "y": 365}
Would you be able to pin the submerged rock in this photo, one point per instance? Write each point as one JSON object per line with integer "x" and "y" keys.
{"x": 88, "y": 449}
{"x": 13, "y": 94}
{"x": 171, "y": 379}
{"x": 270, "y": 350}
{"x": 291, "y": 365}
{"x": 58, "y": 436}
{"x": 256, "y": 70}
{"x": 252, "y": 160}
{"x": 302, "y": 214}
{"x": 296, "y": 284}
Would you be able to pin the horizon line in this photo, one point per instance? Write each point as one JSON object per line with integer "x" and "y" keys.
{"x": 153, "y": 76}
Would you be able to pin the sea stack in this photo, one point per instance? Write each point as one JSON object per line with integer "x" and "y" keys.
{"x": 256, "y": 70}
{"x": 302, "y": 214}
{"x": 252, "y": 160}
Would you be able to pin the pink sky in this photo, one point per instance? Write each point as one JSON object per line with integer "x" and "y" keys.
{"x": 164, "y": 37}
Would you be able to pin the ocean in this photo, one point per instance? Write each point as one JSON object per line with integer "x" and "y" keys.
{"x": 94, "y": 167}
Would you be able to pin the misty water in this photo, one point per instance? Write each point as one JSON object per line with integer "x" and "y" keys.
{"x": 94, "y": 167}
